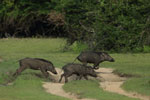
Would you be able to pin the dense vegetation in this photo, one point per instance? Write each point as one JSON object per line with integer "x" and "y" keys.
{"x": 112, "y": 25}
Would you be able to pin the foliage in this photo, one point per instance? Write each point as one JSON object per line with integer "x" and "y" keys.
{"x": 23, "y": 18}
{"x": 121, "y": 25}
{"x": 118, "y": 26}
{"x": 110, "y": 25}
{"x": 78, "y": 47}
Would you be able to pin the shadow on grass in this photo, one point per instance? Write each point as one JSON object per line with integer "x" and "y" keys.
{"x": 8, "y": 77}
{"x": 126, "y": 75}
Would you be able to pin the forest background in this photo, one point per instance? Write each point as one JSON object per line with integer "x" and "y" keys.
{"x": 106, "y": 25}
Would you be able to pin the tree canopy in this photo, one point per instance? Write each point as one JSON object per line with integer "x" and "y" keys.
{"x": 122, "y": 25}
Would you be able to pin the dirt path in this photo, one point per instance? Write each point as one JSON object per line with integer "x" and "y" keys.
{"x": 109, "y": 82}
{"x": 112, "y": 83}
{"x": 56, "y": 88}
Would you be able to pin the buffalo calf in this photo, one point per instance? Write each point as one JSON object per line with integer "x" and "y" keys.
{"x": 78, "y": 69}
{"x": 35, "y": 64}
{"x": 94, "y": 57}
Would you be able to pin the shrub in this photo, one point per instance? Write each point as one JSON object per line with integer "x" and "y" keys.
{"x": 111, "y": 25}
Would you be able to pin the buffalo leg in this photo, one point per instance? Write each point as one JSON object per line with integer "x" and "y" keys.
{"x": 66, "y": 79}
{"x": 66, "y": 76}
{"x": 77, "y": 76}
{"x": 18, "y": 71}
{"x": 80, "y": 77}
{"x": 44, "y": 72}
{"x": 85, "y": 77}
{"x": 84, "y": 63}
{"x": 96, "y": 66}
{"x": 61, "y": 78}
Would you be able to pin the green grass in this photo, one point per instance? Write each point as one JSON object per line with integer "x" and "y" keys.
{"x": 90, "y": 89}
{"x": 135, "y": 65}
{"x": 29, "y": 87}
{"x": 140, "y": 85}
{"x": 26, "y": 88}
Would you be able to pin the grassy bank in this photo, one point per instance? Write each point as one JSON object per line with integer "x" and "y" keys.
{"x": 134, "y": 66}
{"x": 29, "y": 86}
{"x": 137, "y": 68}
{"x": 91, "y": 89}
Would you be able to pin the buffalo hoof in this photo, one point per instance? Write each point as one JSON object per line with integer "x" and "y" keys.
{"x": 96, "y": 68}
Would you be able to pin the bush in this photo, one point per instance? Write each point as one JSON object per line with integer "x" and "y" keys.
{"x": 25, "y": 18}
{"x": 110, "y": 25}
{"x": 79, "y": 46}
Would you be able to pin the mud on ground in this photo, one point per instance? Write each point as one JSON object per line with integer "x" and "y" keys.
{"x": 109, "y": 82}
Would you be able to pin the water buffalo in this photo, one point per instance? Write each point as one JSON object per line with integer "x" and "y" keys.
{"x": 94, "y": 57}
{"x": 78, "y": 69}
{"x": 35, "y": 64}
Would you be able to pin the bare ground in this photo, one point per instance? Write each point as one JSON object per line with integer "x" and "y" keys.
{"x": 109, "y": 82}
{"x": 112, "y": 83}
{"x": 56, "y": 88}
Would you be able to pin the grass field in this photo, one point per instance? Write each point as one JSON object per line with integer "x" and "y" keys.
{"x": 29, "y": 87}
{"x": 90, "y": 89}
{"x": 137, "y": 67}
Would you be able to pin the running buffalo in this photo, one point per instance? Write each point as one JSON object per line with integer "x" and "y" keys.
{"x": 35, "y": 64}
{"x": 94, "y": 57}
{"x": 77, "y": 69}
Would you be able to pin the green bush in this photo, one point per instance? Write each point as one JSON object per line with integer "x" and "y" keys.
{"x": 79, "y": 46}
{"x": 118, "y": 26}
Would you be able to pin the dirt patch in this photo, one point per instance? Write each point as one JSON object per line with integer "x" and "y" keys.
{"x": 109, "y": 82}
{"x": 126, "y": 75}
{"x": 112, "y": 83}
{"x": 56, "y": 88}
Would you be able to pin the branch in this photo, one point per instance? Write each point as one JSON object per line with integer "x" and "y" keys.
{"x": 86, "y": 28}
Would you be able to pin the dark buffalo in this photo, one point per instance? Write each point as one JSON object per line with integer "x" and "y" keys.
{"x": 94, "y": 57}
{"x": 36, "y": 64}
{"x": 78, "y": 69}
